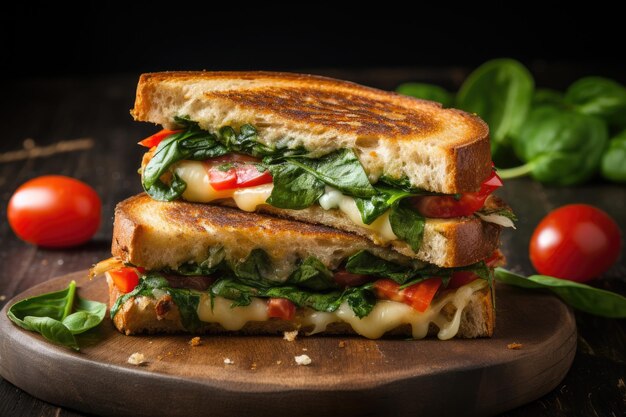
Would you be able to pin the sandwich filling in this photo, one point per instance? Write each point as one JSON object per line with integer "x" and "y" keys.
{"x": 200, "y": 166}
{"x": 370, "y": 294}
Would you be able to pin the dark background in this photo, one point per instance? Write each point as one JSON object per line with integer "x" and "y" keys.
{"x": 104, "y": 38}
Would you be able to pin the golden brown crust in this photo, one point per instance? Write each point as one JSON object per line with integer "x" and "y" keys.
{"x": 331, "y": 108}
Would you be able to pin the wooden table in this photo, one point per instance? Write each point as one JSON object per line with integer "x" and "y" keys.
{"x": 49, "y": 111}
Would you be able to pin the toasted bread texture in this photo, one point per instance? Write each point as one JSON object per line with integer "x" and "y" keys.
{"x": 451, "y": 242}
{"x": 442, "y": 150}
{"x": 146, "y": 315}
{"x": 157, "y": 235}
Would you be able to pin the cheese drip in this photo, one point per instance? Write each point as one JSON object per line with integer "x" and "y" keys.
{"x": 385, "y": 316}
{"x": 199, "y": 190}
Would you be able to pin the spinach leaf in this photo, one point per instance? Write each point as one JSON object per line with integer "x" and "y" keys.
{"x": 246, "y": 141}
{"x": 56, "y": 305}
{"x": 191, "y": 144}
{"x": 207, "y": 267}
{"x": 546, "y": 96}
{"x": 51, "y": 315}
{"x": 51, "y": 329}
{"x": 147, "y": 283}
{"x": 559, "y": 146}
{"x": 328, "y": 302}
{"x": 361, "y": 300}
{"x": 88, "y": 315}
{"x": 340, "y": 169}
{"x": 500, "y": 211}
{"x": 365, "y": 263}
{"x": 407, "y": 224}
{"x": 294, "y": 188}
{"x": 613, "y": 165}
{"x": 600, "y": 97}
{"x": 427, "y": 92}
{"x": 312, "y": 274}
{"x": 240, "y": 294}
{"x": 255, "y": 269}
{"x": 374, "y": 207}
{"x": 500, "y": 91}
{"x": 580, "y": 296}
{"x": 187, "y": 303}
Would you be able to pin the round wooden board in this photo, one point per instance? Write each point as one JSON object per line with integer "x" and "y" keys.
{"x": 348, "y": 375}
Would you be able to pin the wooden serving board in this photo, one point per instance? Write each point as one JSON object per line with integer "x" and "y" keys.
{"x": 348, "y": 375}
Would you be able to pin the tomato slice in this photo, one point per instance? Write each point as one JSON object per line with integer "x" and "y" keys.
{"x": 281, "y": 308}
{"x": 235, "y": 171}
{"x": 222, "y": 180}
{"x": 450, "y": 206}
{"x": 126, "y": 279}
{"x": 348, "y": 279}
{"x": 419, "y": 296}
{"x": 460, "y": 278}
{"x": 155, "y": 139}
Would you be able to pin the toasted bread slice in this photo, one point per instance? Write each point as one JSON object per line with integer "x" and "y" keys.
{"x": 158, "y": 235}
{"x": 447, "y": 242}
{"x": 143, "y": 314}
{"x": 442, "y": 150}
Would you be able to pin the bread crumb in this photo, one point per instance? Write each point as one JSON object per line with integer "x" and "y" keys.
{"x": 253, "y": 366}
{"x": 303, "y": 360}
{"x": 304, "y": 349}
{"x": 195, "y": 341}
{"x": 228, "y": 361}
{"x": 137, "y": 359}
{"x": 3, "y": 297}
{"x": 342, "y": 343}
{"x": 279, "y": 362}
{"x": 290, "y": 336}
{"x": 514, "y": 346}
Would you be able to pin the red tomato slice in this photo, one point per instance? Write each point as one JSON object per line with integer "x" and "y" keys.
{"x": 125, "y": 279}
{"x": 449, "y": 206}
{"x": 222, "y": 180}
{"x": 419, "y": 296}
{"x": 348, "y": 279}
{"x": 460, "y": 278}
{"x": 248, "y": 175}
{"x": 155, "y": 139}
{"x": 243, "y": 172}
{"x": 281, "y": 308}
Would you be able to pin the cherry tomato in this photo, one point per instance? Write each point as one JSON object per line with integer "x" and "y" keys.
{"x": 450, "y": 206}
{"x": 348, "y": 279}
{"x": 281, "y": 308}
{"x": 235, "y": 171}
{"x": 55, "y": 211}
{"x": 157, "y": 138}
{"x": 125, "y": 279}
{"x": 419, "y": 296}
{"x": 576, "y": 242}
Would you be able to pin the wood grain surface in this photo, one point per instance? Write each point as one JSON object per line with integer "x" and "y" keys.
{"x": 348, "y": 376}
{"x": 47, "y": 111}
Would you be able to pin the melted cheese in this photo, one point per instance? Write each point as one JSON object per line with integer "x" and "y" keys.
{"x": 199, "y": 190}
{"x": 385, "y": 316}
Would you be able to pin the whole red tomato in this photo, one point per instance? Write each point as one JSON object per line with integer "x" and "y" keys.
{"x": 55, "y": 211}
{"x": 576, "y": 242}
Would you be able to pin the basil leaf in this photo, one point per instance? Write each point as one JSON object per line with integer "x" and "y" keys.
{"x": 312, "y": 274}
{"x": 340, "y": 169}
{"x": 580, "y": 296}
{"x": 407, "y": 224}
{"x": 146, "y": 284}
{"x": 87, "y": 316}
{"x": 294, "y": 188}
{"x": 600, "y": 97}
{"x": 52, "y": 330}
{"x": 500, "y": 211}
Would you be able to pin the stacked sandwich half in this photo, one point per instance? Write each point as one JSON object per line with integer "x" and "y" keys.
{"x": 277, "y": 202}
